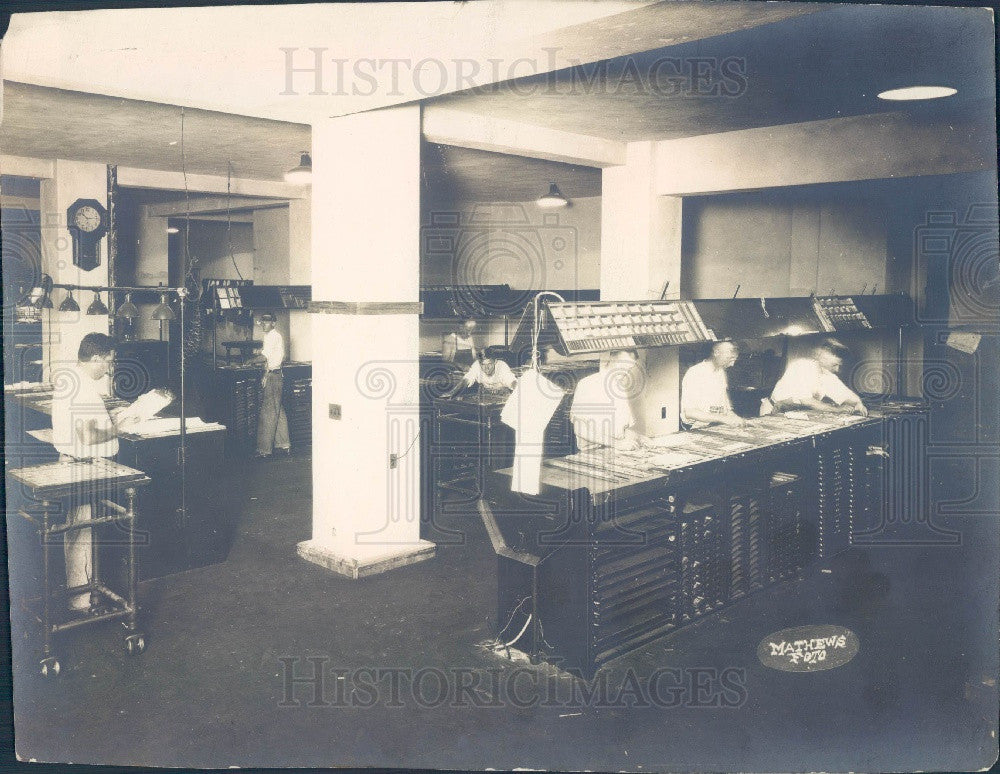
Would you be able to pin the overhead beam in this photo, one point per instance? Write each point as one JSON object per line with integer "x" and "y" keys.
{"x": 216, "y": 205}
{"x": 132, "y": 177}
{"x": 9, "y": 202}
{"x": 868, "y": 147}
{"x": 234, "y": 218}
{"x": 471, "y": 130}
{"x": 23, "y": 166}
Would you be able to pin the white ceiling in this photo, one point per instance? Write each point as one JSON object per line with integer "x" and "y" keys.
{"x": 234, "y": 58}
{"x": 53, "y": 123}
{"x": 802, "y": 63}
{"x": 40, "y": 122}
{"x": 804, "y": 68}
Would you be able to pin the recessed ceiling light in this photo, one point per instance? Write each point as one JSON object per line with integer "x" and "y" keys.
{"x": 917, "y": 92}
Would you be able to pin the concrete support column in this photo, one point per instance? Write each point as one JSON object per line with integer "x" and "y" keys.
{"x": 299, "y": 273}
{"x": 62, "y": 331}
{"x": 365, "y": 278}
{"x": 640, "y": 252}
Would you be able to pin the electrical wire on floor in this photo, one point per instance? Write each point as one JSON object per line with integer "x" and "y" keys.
{"x": 495, "y": 643}
{"x": 520, "y": 634}
{"x": 541, "y": 634}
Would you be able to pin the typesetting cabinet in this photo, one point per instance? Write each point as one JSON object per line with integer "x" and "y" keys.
{"x": 606, "y": 567}
{"x": 234, "y": 400}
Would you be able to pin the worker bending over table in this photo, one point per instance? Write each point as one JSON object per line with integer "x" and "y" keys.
{"x": 82, "y": 428}
{"x": 705, "y": 390}
{"x": 601, "y": 413}
{"x": 489, "y": 372}
{"x": 812, "y": 383}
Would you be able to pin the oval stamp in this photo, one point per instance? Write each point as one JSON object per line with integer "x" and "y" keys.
{"x": 808, "y": 648}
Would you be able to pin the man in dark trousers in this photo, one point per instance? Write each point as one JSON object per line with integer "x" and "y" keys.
{"x": 272, "y": 425}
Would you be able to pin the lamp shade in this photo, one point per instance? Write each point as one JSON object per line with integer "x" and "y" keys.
{"x": 97, "y": 306}
{"x": 554, "y": 198}
{"x": 163, "y": 310}
{"x": 128, "y": 310}
{"x": 301, "y": 174}
{"x": 45, "y": 302}
{"x": 69, "y": 304}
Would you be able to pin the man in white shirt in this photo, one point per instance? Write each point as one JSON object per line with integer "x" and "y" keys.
{"x": 812, "y": 383}
{"x": 705, "y": 390}
{"x": 600, "y": 413}
{"x": 82, "y": 428}
{"x": 459, "y": 346}
{"x": 489, "y": 371}
{"x": 272, "y": 423}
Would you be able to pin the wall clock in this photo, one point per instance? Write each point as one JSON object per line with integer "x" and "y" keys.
{"x": 87, "y": 221}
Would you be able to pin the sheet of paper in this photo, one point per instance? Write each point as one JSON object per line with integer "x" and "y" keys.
{"x": 964, "y": 342}
{"x": 148, "y": 405}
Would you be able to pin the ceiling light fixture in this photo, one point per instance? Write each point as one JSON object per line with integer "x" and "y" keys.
{"x": 128, "y": 310}
{"x": 69, "y": 304}
{"x": 97, "y": 306}
{"x": 302, "y": 174}
{"x": 911, "y": 93}
{"x": 554, "y": 198}
{"x": 43, "y": 293}
{"x": 163, "y": 310}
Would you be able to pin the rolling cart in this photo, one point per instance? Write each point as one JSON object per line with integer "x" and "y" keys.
{"x": 96, "y": 481}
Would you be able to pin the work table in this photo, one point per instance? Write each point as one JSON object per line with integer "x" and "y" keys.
{"x": 187, "y": 511}
{"x": 619, "y": 548}
{"x": 39, "y": 398}
{"x": 667, "y": 457}
{"x": 288, "y": 365}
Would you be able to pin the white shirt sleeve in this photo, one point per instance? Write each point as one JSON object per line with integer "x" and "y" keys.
{"x": 704, "y": 388}
{"x": 598, "y": 415}
{"x": 504, "y": 376}
{"x": 474, "y": 374}
{"x": 799, "y": 383}
{"x": 273, "y": 350}
{"x": 76, "y": 402}
{"x": 833, "y": 388}
{"x": 804, "y": 379}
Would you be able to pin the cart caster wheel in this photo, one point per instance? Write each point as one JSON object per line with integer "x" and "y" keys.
{"x": 135, "y": 644}
{"x": 50, "y": 667}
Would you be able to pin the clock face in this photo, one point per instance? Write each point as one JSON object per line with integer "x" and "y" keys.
{"x": 87, "y": 219}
